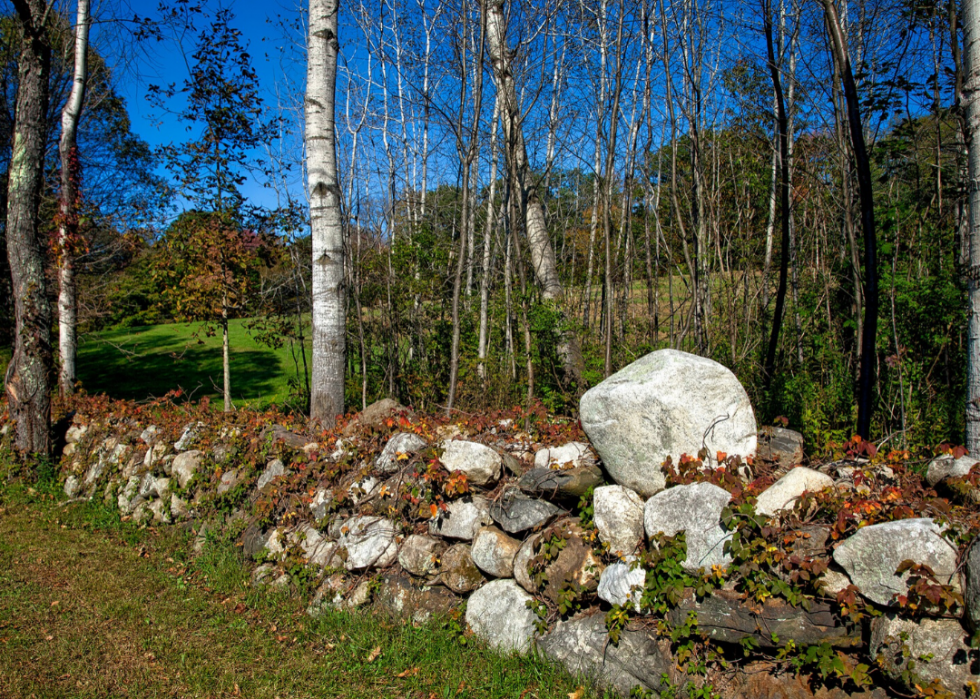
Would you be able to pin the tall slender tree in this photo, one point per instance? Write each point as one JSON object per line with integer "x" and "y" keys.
{"x": 28, "y": 375}
{"x": 327, "y": 385}
{"x": 68, "y": 205}
{"x": 970, "y": 103}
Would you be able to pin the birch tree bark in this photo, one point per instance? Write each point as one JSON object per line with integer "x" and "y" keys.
{"x": 542, "y": 252}
{"x": 68, "y": 242}
{"x": 327, "y": 386}
{"x": 27, "y": 380}
{"x": 970, "y": 101}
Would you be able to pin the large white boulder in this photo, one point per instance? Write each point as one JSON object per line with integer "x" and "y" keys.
{"x": 667, "y": 403}
{"x": 694, "y": 509}
{"x": 498, "y": 613}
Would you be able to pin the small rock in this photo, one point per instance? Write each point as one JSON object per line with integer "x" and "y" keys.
{"x": 872, "y": 555}
{"x": 971, "y": 577}
{"x": 494, "y": 552}
{"x": 573, "y": 483}
{"x": 328, "y": 596}
{"x": 369, "y": 541}
{"x": 263, "y": 574}
{"x": 229, "y": 479}
{"x": 189, "y": 436}
{"x": 516, "y": 512}
{"x": 185, "y": 466}
{"x": 696, "y": 510}
{"x": 147, "y": 487}
{"x": 363, "y": 490}
{"x": 462, "y": 519}
{"x": 127, "y": 499}
{"x": 374, "y": 415}
{"x": 273, "y": 470}
{"x": 622, "y": 583}
{"x": 523, "y": 559}
{"x": 321, "y": 502}
{"x": 571, "y": 455}
{"x": 480, "y": 463}
{"x": 75, "y": 433}
{"x": 406, "y": 443}
{"x": 160, "y": 510}
{"x": 666, "y": 404}
{"x": 149, "y": 435}
{"x": 784, "y": 493}
{"x": 946, "y": 466}
{"x": 404, "y": 601}
{"x": 154, "y": 454}
{"x": 575, "y": 565}
{"x": 459, "y": 573}
{"x": 780, "y": 446}
{"x": 832, "y": 582}
{"x": 358, "y": 597}
{"x": 419, "y": 555}
{"x": 161, "y": 486}
{"x": 618, "y": 515}
{"x": 253, "y": 540}
{"x": 318, "y": 550}
{"x": 72, "y": 486}
{"x": 918, "y": 652}
{"x": 811, "y": 541}
{"x": 498, "y": 613}
{"x": 178, "y": 508}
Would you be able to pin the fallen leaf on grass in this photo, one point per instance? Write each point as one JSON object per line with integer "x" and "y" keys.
{"x": 374, "y": 654}
{"x": 408, "y": 673}
{"x": 577, "y": 694}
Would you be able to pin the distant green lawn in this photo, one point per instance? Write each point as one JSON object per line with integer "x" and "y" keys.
{"x": 140, "y": 363}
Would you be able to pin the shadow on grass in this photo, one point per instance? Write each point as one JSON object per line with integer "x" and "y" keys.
{"x": 150, "y": 364}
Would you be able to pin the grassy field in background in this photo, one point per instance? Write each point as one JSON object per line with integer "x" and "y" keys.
{"x": 138, "y": 363}
{"x": 94, "y": 607}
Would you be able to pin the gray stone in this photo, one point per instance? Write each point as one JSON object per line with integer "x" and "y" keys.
{"x": 328, "y": 596}
{"x": 229, "y": 479}
{"x": 154, "y": 454}
{"x": 318, "y": 550}
{"x": 832, "y": 582}
{"x": 127, "y": 498}
{"x": 523, "y": 559}
{"x": 725, "y": 616}
{"x": 72, "y": 486}
{"x": 161, "y": 487}
{"x": 462, "y": 519}
{"x": 639, "y": 660}
{"x": 696, "y": 510}
{"x": 919, "y": 652}
{"x": 147, "y": 487}
{"x": 419, "y": 555}
{"x": 363, "y": 490}
{"x": 575, "y": 566}
{"x": 178, "y": 508}
{"x": 273, "y": 470}
{"x": 572, "y": 483}
{"x": 75, "y": 433}
{"x": 263, "y": 574}
{"x": 149, "y": 435}
{"x": 459, "y": 572}
{"x": 872, "y": 554}
{"x": 160, "y": 510}
{"x": 618, "y": 515}
{"x": 322, "y": 499}
{"x": 185, "y": 466}
{"x": 571, "y": 455}
{"x": 190, "y": 435}
{"x": 494, "y": 552}
{"x": 498, "y": 614}
{"x": 622, "y": 583}
{"x": 358, "y": 597}
{"x": 516, "y": 512}
{"x": 94, "y": 473}
{"x": 480, "y": 463}
{"x": 780, "y": 446}
{"x": 402, "y": 600}
{"x": 369, "y": 541}
{"x": 253, "y": 540}
{"x": 374, "y": 415}
{"x": 971, "y": 579}
{"x": 784, "y": 493}
{"x": 946, "y": 466}
{"x": 406, "y": 443}
{"x": 667, "y": 403}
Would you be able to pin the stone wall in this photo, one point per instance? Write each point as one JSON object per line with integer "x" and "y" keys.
{"x": 675, "y": 550}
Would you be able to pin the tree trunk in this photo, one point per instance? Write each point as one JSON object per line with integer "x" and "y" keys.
{"x": 226, "y": 361}
{"x": 327, "y": 386}
{"x": 870, "y": 330}
{"x": 28, "y": 376}
{"x": 971, "y": 108}
{"x": 68, "y": 236}
{"x": 542, "y": 252}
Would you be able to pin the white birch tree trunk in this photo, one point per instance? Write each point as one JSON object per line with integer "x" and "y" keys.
{"x": 971, "y": 105}
{"x": 68, "y": 206}
{"x": 327, "y": 386}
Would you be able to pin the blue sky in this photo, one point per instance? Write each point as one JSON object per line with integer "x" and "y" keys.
{"x": 276, "y": 60}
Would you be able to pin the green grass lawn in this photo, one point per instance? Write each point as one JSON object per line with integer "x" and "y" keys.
{"x": 94, "y": 607}
{"x": 139, "y": 363}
